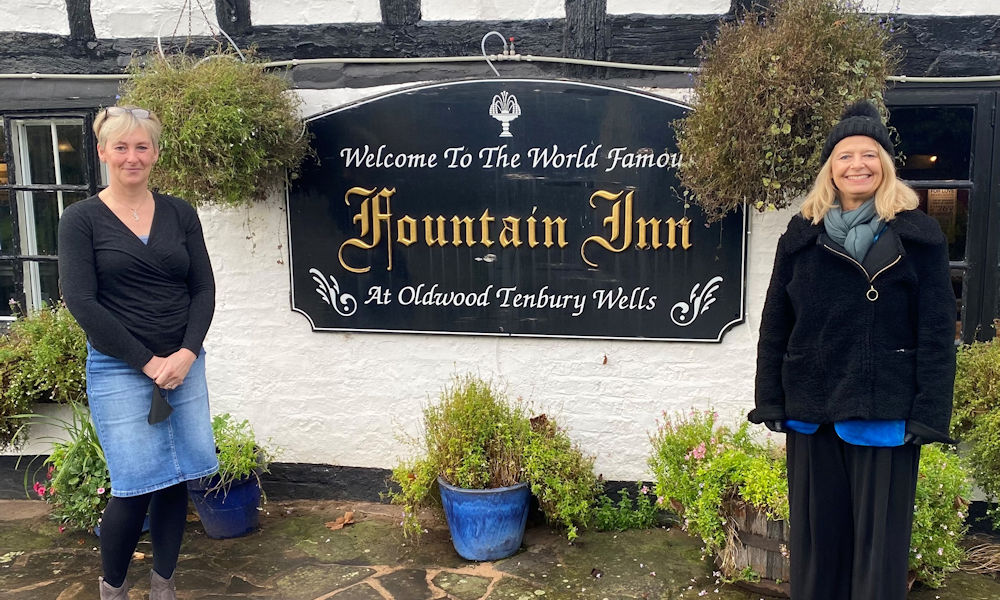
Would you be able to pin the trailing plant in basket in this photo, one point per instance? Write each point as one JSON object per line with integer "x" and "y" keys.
{"x": 475, "y": 437}
{"x": 771, "y": 86}
{"x": 700, "y": 466}
{"x": 42, "y": 359}
{"x": 230, "y": 127}
{"x": 76, "y": 483}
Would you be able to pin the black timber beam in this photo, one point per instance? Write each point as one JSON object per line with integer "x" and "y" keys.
{"x": 233, "y": 16}
{"x": 81, "y": 23}
{"x": 940, "y": 46}
{"x": 397, "y": 13}
{"x": 586, "y": 35}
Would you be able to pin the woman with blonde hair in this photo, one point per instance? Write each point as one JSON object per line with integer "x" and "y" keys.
{"x": 135, "y": 273}
{"x": 855, "y": 364}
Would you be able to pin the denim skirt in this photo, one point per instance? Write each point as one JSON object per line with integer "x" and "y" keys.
{"x": 143, "y": 458}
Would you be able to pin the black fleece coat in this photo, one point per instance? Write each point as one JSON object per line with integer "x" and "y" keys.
{"x": 844, "y": 340}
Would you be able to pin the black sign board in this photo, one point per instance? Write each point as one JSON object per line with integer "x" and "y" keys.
{"x": 509, "y": 207}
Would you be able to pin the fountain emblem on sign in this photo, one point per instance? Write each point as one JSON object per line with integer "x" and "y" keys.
{"x": 505, "y": 109}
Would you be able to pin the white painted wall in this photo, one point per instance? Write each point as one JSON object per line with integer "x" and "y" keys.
{"x": 35, "y": 16}
{"x": 515, "y": 10}
{"x": 278, "y": 12}
{"x": 934, "y": 7}
{"x": 129, "y": 18}
{"x": 902, "y": 7}
{"x": 668, "y": 7}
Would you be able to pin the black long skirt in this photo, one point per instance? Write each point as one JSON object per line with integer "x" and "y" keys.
{"x": 851, "y": 517}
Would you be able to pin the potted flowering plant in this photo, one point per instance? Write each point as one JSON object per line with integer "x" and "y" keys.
{"x": 228, "y": 502}
{"x": 724, "y": 484}
{"x": 77, "y": 484}
{"x": 42, "y": 359}
{"x": 485, "y": 456}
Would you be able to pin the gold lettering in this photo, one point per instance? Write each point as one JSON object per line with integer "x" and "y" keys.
{"x": 685, "y": 225}
{"x": 406, "y": 230}
{"x": 484, "y": 222}
{"x": 617, "y": 220}
{"x": 376, "y": 226}
{"x": 429, "y": 234}
{"x": 511, "y": 235}
{"x": 370, "y": 218}
{"x": 456, "y": 231}
{"x": 532, "y": 224}
{"x": 653, "y": 227}
{"x": 549, "y": 222}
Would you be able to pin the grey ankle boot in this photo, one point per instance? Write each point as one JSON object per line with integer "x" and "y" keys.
{"x": 160, "y": 588}
{"x": 113, "y": 593}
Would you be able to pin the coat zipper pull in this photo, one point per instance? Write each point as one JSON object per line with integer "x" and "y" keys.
{"x": 872, "y": 293}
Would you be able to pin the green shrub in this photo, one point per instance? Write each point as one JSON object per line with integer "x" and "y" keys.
{"x": 475, "y": 437}
{"x": 230, "y": 128}
{"x": 700, "y": 466}
{"x": 976, "y": 421}
{"x": 626, "y": 513}
{"x": 771, "y": 86}
{"x": 43, "y": 358}
{"x": 939, "y": 518}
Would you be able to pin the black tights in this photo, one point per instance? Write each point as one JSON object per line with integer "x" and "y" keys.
{"x": 121, "y": 526}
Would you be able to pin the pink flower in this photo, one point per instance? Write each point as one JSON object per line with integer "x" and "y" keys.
{"x": 39, "y": 489}
{"x": 49, "y": 474}
{"x": 100, "y": 491}
{"x": 660, "y": 499}
{"x": 697, "y": 453}
{"x": 61, "y": 529}
{"x": 644, "y": 490}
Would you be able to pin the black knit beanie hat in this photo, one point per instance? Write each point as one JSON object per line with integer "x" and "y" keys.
{"x": 860, "y": 118}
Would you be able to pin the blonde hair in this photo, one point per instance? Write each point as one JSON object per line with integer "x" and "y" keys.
{"x": 113, "y": 127}
{"x": 891, "y": 197}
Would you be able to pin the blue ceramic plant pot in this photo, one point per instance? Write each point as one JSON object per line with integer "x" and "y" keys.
{"x": 226, "y": 515}
{"x": 486, "y": 524}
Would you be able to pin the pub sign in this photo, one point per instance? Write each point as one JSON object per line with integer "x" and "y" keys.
{"x": 509, "y": 207}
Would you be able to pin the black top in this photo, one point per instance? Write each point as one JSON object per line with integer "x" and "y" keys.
{"x": 875, "y": 340}
{"x": 136, "y": 300}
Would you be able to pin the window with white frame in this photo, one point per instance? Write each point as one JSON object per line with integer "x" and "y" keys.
{"x": 48, "y": 164}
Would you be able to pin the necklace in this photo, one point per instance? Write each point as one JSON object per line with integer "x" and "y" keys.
{"x": 133, "y": 211}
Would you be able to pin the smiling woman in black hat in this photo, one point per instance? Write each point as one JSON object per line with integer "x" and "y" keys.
{"x": 856, "y": 363}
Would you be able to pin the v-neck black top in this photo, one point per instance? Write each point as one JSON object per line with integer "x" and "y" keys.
{"x": 137, "y": 300}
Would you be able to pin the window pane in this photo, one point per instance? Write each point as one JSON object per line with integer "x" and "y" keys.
{"x": 71, "y": 158}
{"x": 6, "y": 287}
{"x": 46, "y": 222}
{"x": 71, "y": 197}
{"x": 951, "y": 209}
{"x": 957, "y": 284}
{"x": 936, "y": 141}
{"x": 40, "y": 162}
{"x": 49, "y": 278}
{"x": 6, "y": 225}
{"x": 3, "y": 153}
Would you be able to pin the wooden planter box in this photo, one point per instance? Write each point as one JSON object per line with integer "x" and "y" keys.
{"x": 756, "y": 541}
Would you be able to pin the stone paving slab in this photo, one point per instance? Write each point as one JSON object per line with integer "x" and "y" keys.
{"x": 295, "y": 557}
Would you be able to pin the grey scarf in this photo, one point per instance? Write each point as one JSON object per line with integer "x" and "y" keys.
{"x": 854, "y": 229}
